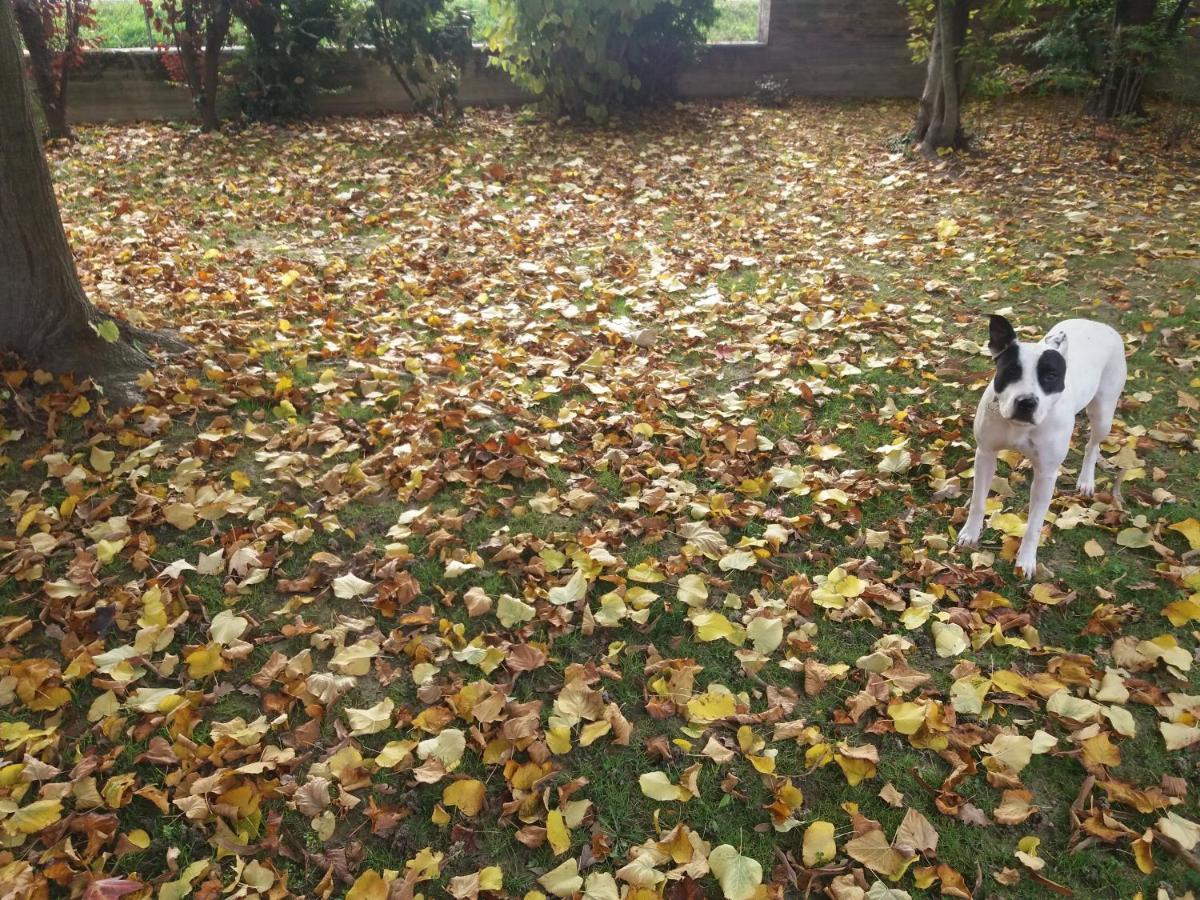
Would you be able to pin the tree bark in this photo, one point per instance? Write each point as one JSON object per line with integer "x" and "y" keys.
{"x": 51, "y": 90}
{"x": 938, "y": 125}
{"x": 216, "y": 32}
{"x": 45, "y": 316}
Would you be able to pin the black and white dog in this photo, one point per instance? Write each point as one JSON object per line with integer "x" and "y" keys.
{"x": 1031, "y": 405}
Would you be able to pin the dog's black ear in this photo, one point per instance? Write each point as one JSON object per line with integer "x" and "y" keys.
{"x": 1001, "y": 335}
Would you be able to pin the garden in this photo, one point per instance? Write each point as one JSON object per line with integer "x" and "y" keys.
{"x": 510, "y": 505}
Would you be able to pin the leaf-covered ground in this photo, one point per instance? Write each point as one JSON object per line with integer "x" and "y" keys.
{"x": 545, "y": 510}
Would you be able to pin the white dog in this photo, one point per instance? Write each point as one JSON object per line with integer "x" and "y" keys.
{"x": 1031, "y": 405}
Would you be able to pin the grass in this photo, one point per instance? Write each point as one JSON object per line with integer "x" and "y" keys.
{"x": 122, "y": 23}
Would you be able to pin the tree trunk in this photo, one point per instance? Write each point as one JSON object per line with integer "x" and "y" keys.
{"x": 1120, "y": 90}
{"x": 45, "y": 317}
{"x": 214, "y": 40}
{"x": 938, "y": 125}
{"x": 51, "y": 90}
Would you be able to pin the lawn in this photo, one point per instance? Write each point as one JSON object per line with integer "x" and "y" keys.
{"x": 122, "y": 23}
{"x": 544, "y": 509}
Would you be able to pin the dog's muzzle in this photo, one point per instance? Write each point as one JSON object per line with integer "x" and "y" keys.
{"x": 1024, "y": 408}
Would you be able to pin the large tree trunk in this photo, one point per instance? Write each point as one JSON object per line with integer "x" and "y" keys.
{"x": 938, "y": 125}
{"x": 52, "y": 90}
{"x": 45, "y": 317}
{"x": 1120, "y": 90}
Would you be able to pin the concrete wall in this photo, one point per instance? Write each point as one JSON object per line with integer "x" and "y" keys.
{"x": 820, "y": 47}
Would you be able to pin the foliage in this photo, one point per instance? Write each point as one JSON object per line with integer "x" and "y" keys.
{"x": 51, "y": 30}
{"x": 1065, "y": 45}
{"x": 424, "y": 43}
{"x": 583, "y": 58}
{"x": 288, "y": 44}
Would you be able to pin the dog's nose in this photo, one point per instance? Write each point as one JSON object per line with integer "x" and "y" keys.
{"x": 1025, "y": 407}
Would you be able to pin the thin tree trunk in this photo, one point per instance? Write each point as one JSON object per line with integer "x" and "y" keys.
{"x": 214, "y": 39}
{"x": 50, "y": 90}
{"x": 938, "y": 124}
{"x": 45, "y": 317}
{"x": 947, "y": 132}
{"x": 1120, "y": 90}
{"x": 933, "y": 86}
{"x": 208, "y": 100}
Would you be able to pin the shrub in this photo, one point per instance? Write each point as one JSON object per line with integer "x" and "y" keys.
{"x": 50, "y": 29}
{"x": 287, "y": 43}
{"x": 583, "y": 58}
{"x": 424, "y": 44}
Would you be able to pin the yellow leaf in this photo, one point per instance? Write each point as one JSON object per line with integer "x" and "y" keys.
{"x": 558, "y": 739}
{"x": 657, "y": 786}
{"x": 949, "y": 638}
{"x": 557, "y": 833}
{"x": 710, "y": 706}
{"x": 646, "y": 573}
{"x": 1183, "y": 611}
{"x": 819, "y": 844}
{"x": 947, "y": 229}
{"x": 563, "y": 880}
{"x": 855, "y": 770}
{"x": 907, "y": 718}
{"x": 1143, "y": 855}
{"x": 692, "y": 590}
{"x": 368, "y": 886}
{"x": 511, "y": 611}
{"x": 1132, "y": 537}
{"x": 467, "y": 794}
{"x": 1190, "y": 529}
{"x": 34, "y": 817}
{"x": 1010, "y": 523}
{"x": 712, "y": 626}
{"x": 205, "y": 661}
{"x": 766, "y": 634}
{"x": 739, "y": 876}
{"x": 101, "y": 460}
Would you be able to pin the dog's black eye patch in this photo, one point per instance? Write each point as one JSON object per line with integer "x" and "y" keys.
{"x": 1008, "y": 368}
{"x": 1052, "y": 372}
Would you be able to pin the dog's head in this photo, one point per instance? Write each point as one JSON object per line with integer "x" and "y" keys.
{"x": 1029, "y": 377}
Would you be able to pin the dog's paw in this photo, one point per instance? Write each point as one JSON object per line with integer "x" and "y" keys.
{"x": 1085, "y": 486}
{"x": 968, "y": 537}
{"x": 1026, "y": 565}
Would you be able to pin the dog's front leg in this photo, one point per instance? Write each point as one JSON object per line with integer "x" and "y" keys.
{"x": 1040, "y": 496}
{"x": 985, "y": 471}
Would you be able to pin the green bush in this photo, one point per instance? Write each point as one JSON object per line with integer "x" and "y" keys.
{"x": 287, "y": 47}
{"x": 583, "y": 58}
{"x": 424, "y": 43}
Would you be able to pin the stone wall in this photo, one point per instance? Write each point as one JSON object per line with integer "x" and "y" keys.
{"x": 819, "y": 47}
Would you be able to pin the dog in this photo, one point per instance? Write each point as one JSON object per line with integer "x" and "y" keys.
{"x": 1030, "y": 406}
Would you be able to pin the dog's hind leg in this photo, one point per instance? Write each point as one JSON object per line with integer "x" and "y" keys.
{"x": 1100, "y": 417}
{"x": 985, "y": 471}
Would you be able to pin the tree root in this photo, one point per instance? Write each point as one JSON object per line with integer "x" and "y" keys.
{"x": 168, "y": 341}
